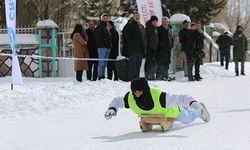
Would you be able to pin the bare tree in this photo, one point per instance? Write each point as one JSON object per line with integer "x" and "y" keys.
{"x": 30, "y": 11}
{"x": 238, "y": 13}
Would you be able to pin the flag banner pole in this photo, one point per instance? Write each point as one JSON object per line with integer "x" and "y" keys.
{"x": 10, "y": 10}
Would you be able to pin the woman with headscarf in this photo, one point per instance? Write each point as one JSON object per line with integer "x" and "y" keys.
{"x": 80, "y": 39}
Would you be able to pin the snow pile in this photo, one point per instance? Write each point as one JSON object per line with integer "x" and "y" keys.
{"x": 210, "y": 40}
{"x": 179, "y": 18}
{"x": 46, "y": 24}
{"x": 220, "y": 26}
{"x": 24, "y": 39}
{"x": 49, "y": 95}
{"x": 214, "y": 70}
{"x": 216, "y": 34}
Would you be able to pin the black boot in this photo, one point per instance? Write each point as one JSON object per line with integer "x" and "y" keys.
{"x": 237, "y": 73}
{"x": 101, "y": 77}
{"x": 198, "y": 77}
{"x": 242, "y": 73}
{"x": 191, "y": 79}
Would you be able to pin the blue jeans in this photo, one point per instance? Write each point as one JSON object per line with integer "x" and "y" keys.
{"x": 225, "y": 53}
{"x": 103, "y": 53}
{"x": 188, "y": 115}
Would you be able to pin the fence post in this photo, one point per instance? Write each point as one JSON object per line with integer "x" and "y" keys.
{"x": 210, "y": 52}
{"x": 40, "y": 53}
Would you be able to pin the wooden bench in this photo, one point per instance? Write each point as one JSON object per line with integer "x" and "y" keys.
{"x": 147, "y": 122}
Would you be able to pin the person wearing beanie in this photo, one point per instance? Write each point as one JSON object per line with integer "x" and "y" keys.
{"x": 103, "y": 44}
{"x": 144, "y": 100}
{"x": 152, "y": 44}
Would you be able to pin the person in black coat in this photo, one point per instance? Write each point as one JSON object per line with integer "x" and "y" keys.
{"x": 200, "y": 54}
{"x": 224, "y": 41}
{"x": 163, "y": 55}
{"x": 114, "y": 51}
{"x": 93, "y": 65}
{"x": 184, "y": 38}
{"x": 194, "y": 51}
{"x": 124, "y": 48}
{"x": 152, "y": 44}
{"x": 103, "y": 44}
{"x": 135, "y": 45}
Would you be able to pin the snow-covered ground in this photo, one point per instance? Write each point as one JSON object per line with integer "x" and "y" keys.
{"x": 61, "y": 114}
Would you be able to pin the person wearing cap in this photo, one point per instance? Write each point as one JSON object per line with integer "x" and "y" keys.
{"x": 239, "y": 50}
{"x": 224, "y": 41}
{"x": 152, "y": 44}
{"x": 144, "y": 100}
{"x": 183, "y": 38}
{"x": 103, "y": 44}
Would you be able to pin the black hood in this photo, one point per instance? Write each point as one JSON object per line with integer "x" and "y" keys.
{"x": 145, "y": 101}
{"x": 139, "y": 84}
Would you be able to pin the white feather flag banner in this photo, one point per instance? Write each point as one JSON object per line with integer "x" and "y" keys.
{"x": 10, "y": 9}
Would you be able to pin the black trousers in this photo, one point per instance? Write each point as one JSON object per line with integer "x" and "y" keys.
{"x": 162, "y": 69}
{"x": 112, "y": 70}
{"x": 92, "y": 71}
{"x": 150, "y": 67}
{"x": 79, "y": 75}
{"x": 135, "y": 61}
{"x": 193, "y": 61}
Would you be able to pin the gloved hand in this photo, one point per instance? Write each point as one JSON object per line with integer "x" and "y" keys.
{"x": 111, "y": 112}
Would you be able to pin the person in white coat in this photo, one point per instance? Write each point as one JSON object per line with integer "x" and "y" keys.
{"x": 145, "y": 100}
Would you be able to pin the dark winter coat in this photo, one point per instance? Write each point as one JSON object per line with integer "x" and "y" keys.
{"x": 199, "y": 40}
{"x": 195, "y": 44}
{"x": 165, "y": 43}
{"x": 240, "y": 47}
{"x": 152, "y": 39}
{"x": 124, "y": 49}
{"x": 134, "y": 37}
{"x": 91, "y": 44}
{"x": 224, "y": 41}
{"x": 184, "y": 35}
{"x": 115, "y": 44}
{"x": 102, "y": 36}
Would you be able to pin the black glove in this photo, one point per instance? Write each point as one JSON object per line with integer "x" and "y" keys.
{"x": 111, "y": 112}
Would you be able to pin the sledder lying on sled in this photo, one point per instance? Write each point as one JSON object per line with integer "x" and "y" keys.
{"x": 157, "y": 107}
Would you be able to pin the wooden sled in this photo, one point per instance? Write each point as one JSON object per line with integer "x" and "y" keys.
{"x": 147, "y": 122}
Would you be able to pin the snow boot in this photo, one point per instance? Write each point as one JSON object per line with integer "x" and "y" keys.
{"x": 195, "y": 105}
{"x": 205, "y": 116}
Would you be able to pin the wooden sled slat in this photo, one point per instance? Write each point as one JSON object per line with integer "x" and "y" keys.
{"x": 147, "y": 122}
